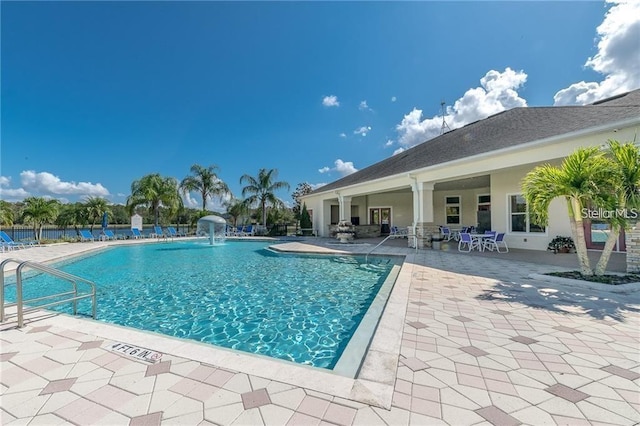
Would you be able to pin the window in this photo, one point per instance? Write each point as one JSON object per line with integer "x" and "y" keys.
{"x": 484, "y": 203}
{"x": 452, "y": 210}
{"x": 519, "y": 213}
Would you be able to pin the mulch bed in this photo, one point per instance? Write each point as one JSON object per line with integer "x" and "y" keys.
{"x": 603, "y": 279}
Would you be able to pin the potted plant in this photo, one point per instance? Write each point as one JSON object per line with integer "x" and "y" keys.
{"x": 561, "y": 244}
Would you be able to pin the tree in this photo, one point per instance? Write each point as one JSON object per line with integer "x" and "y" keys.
{"x": 38, "y": 211}
{"x": 96, "y": 207}
{"x": 236, "y": 209}
{"x": 302, "y": 189}
{"x": 72, "y": 215}
{"x": 626, "y": 160}
{"x": 585, "y": 177}
{"x": 206, "y": 182}
{"x": 154, "y": 191}
{"x": 260, "y": 190}
{"x": 305, "y": 219}
{"x": 6, "y": 214}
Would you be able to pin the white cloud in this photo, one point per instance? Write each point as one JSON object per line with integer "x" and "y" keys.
{"x": 362, "y": 131}
{"x": 393, "y": 99}
{"x": 398, "y": 151}
{"x": 496, "y": 94}
{"x": 315, "y": 186}
{"x": 618, "y": 57}
{"x": 46, "y": 183}
{"x": 364, "y": 107}
{"x": 5, "y": 181}
{"x": 9, "y": 194}
{"x": 388, "y": 143}
{"x": 330, "y": 101}
{"x": 343, "y": 135}
{"x": 189, "y": 201}
{"x": 344, "y": 168}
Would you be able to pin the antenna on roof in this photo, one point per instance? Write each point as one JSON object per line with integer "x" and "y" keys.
{"x": 445, "y": 127}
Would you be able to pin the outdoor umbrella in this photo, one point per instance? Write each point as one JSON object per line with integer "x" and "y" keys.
{"x": 105, "y": 220}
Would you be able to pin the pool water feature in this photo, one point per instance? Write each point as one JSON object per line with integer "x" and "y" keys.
{"x": 240, "y": 295}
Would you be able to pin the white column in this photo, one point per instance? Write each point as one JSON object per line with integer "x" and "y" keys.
{"x": 344, "y": 203}
{"x": 427, "y": 202}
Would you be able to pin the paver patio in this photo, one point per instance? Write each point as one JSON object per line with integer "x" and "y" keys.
{"x": 481, "y": 344}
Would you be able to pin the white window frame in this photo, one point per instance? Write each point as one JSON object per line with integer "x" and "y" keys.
{"x": 458, "y": 204}
{"x": 527, "y": 218}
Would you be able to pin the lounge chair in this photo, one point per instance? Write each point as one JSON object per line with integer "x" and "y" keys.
{"x": 8, "y": 243}
{"x": 247, "y": 231}
{"x": 136, "y": 234}
{"x": 158, "y": 232}
{"x": 107, "y": 234}
{"x": 173, "y": 233}
{"x": 446, "y": 233}
{"x": 85, "y": 235}
{"x": 396, "y": 232}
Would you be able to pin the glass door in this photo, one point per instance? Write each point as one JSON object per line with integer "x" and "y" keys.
{"x": 381, "y": 216}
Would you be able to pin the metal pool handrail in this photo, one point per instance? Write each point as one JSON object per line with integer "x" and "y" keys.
{"x": 415, "y": 240}
{"x": 19, "y": 303}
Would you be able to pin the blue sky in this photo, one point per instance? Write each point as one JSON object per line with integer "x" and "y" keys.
{"x": 98, "y": 94}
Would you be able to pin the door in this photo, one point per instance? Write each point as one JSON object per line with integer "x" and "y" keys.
{"x": 381, "y": 216}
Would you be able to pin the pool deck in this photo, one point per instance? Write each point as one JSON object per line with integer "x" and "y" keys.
{"x": 465, "y": 339}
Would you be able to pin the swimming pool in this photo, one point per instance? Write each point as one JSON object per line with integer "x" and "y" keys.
{"x": 301, "y": 308}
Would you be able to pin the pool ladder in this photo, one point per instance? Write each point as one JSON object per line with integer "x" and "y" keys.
{"x": 388, "y": 237}
{"x": 20, "y": 302}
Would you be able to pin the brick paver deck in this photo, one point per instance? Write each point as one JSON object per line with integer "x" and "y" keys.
{"x": 481, "y": 344}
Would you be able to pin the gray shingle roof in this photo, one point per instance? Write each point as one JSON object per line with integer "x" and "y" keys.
{"x": 503, "y": 130}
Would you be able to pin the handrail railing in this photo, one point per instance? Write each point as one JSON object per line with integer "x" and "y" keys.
{"x": 19, "y": 303}
{"x": 415, "y": 245}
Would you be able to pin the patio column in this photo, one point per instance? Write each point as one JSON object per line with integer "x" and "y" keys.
{"x": 423, "y": 213}
{"x": 344, "y": 208}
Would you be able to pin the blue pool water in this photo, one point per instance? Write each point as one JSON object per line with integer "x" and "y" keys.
{"x": 239, "y": 295}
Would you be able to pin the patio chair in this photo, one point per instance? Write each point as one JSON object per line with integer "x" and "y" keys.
{"x": 247, "y": 231}
{"x": 107, "y": 234}
{"x": 495, "y": 243}
{"x": 446, "y": 233}
{"x": 86, "y": 235}
{"x": 136, "y": 234}
{"x": 8, "y": 243}
{"x": 467, "y": 242}
{"x": 158, "y": 232}
{"x": 173, "y": 233}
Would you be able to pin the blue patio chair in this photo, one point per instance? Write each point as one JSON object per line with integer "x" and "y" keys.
{"x": 107, "y": 234}
{"x": 467, "y": 242}
{"x": 136, "y": 234}
{"x": 446, "y": 233}
{"x": 173, "y": 233}
{"x": 85, "y": 235}
{"x": 158, "y": 232}
{"x": 9, "y": 244}
{"x": 495, "y": 243}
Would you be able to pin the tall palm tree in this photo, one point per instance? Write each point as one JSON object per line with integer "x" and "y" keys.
{"x": 206, "y": 182}
{"x": 96, "y": 207}
{"x": 154, "y": 191}
{"x": 583, "y": 178}
{"x": 6, "y": 214}
{"x": 626, "y": 159}
{"x": 38, "y": 211}
{"x": 261, "y": 190}
{"x": 72, "y": 215}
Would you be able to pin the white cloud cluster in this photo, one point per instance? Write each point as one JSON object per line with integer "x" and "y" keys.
{"x": 330, "y": 101}
{"x": 343, "y": 135}
{"x": 618, "y": 57}
{"x": 48, "y": 185}
{"x": 362, "y": 131}
{"x": 364, "y": 107}
{"x": 498, "y": 92}
{"x": 343, "y": 168}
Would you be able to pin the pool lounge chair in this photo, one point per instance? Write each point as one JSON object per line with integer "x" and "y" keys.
{"x": 136, "y": 234}
{"x": 85, "y": 235}
{"x": 173, "y": 233}
{"x": 9, "y": 244}
{"x": 107, "y": 234}
{"x": 158, "y": 232}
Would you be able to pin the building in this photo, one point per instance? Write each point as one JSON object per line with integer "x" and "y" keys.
{"x": 472, "y": 176}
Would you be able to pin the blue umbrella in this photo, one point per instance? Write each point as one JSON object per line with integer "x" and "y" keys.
{"x": 105, "y": 220}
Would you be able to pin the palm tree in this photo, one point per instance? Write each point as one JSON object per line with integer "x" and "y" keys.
{"x": 96, "y": 207}
{"x": 154, "y": 191}
{"x": 6, "y": 214}
{"x": 236, "y": 209}
{"x": 626, "y": 158}
{"x": 583, "y": 178}
{"x": 38, "y": 211}
{"x": 260, "y": 190}
{"x": 206, "y": 182}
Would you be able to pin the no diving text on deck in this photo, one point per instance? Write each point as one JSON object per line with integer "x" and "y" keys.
{"x": 136, "y": 352}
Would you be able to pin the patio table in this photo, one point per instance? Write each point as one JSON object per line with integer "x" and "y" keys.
{"x": 480, "y": 239}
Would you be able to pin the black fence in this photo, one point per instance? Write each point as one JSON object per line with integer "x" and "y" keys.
{"x": 50, "y": 232}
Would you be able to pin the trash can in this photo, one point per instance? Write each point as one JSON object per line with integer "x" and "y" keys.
{"x": 436, "y": 242}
